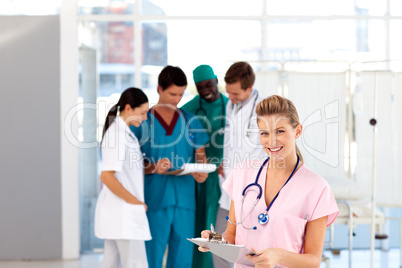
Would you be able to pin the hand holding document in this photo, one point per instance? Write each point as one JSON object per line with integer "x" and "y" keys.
{"x": 192, "y": 168}
{"x": 218, "y": 246}
{"x": 229, "y": 252}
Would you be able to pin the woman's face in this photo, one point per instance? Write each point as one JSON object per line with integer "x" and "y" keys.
{"x": 278, "y": 136}
{"x": 138, "y": 114}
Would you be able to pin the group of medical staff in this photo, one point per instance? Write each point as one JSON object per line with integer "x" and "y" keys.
{"x": 261, "y": 194}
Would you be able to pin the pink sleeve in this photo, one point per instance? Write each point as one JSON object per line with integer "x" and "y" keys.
{"x": 325, "y": 206}
{"x": 228, "y": 184}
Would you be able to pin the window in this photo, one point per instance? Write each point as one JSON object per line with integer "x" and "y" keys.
{"x": 121, "y": 7}
{"x": 134, "y": 40}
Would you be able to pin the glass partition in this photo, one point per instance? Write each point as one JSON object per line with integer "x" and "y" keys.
{"x": 114, "y": 43}
{"x": 325, "y": 40}
{"x": 396, "y": 40}
{"x": 395, "y": 7}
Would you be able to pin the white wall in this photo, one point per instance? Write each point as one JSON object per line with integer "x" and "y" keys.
{"x": 38, "y": 165}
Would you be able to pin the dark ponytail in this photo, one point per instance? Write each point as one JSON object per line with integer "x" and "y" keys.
{"x": 135, "y": 97}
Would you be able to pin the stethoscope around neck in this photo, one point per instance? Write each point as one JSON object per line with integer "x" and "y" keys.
{"x": 262, "y": 217}
{"x": 248, "y": 130}
{"x": 204, "y": 112}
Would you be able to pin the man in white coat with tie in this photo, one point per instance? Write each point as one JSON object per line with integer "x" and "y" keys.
{"x": 241, "y": 140}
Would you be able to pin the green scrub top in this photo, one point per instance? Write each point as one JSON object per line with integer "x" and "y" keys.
{"x": 212, "y": 116}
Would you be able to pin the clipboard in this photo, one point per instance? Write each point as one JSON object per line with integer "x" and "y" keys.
{"x": 229, "y": 252}
{"x": 191, "y": 168}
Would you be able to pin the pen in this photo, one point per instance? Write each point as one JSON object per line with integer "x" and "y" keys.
{"x": 212, "y": 228}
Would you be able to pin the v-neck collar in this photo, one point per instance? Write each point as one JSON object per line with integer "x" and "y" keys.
{"x": 169, "y": 128}
{"x": 263, "y": 176}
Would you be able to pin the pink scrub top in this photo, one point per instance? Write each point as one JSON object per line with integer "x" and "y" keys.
{"x": 304, "y": 198}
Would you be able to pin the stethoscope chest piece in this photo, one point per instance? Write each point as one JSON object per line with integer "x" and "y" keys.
{"x": 263, "y": 218}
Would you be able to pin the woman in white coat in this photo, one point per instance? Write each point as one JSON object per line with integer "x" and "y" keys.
{"x": 120, "y": 215}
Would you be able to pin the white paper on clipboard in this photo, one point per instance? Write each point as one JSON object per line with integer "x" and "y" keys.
{"x": 192, "y": 168}
{"x": 229, "y": 252}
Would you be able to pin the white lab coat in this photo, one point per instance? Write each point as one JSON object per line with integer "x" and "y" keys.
{"x": 241, "y": 141}
{"x": 114, "y": 217}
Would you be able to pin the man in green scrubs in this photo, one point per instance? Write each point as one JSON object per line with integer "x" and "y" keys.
{"x": 210, "y": 107}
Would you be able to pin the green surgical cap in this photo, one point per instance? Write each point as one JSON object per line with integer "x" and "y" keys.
{"x": 202, "y": 73}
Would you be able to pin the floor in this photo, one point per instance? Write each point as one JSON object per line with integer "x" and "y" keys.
{"x": 360, "y": 258}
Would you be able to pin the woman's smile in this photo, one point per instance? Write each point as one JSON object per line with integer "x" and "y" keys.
{"x": 275, "y": 149}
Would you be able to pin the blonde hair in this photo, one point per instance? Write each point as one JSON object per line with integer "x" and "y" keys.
{"x": 277, "y": 105}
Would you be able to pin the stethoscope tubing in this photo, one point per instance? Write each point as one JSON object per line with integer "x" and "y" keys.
{"x": 262, "y": 217}
{"x": 205, "y": 112}
{"x": 256, "y": 181}
{"x": 248, "y": 130}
